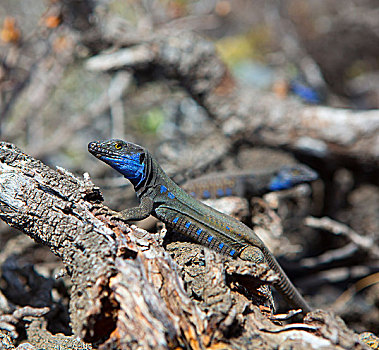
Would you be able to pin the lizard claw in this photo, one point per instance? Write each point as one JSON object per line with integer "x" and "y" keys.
{"x": 109, "y": 213}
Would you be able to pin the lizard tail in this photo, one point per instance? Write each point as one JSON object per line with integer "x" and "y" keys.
{"x": 285, "y": 286}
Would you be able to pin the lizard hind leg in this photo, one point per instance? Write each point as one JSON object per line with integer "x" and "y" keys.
{"x": 255, "y": 255}
{"x": 283, "y": 285}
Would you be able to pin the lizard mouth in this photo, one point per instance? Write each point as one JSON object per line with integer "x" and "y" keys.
{"x": 96, "y": 149}
{"x": 93, "y": 148}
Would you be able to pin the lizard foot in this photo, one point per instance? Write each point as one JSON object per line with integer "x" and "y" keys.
{"x": 100, "y": 210}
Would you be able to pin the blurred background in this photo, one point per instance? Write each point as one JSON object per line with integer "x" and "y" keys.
{"x": 318, "y": 53}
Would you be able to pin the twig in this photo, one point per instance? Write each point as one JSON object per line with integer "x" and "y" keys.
{"x": 249, "y": 115}
{"x": 338, "y": 275}
{"x": 291, "y": 327}
{"x": 330, "y": 256}
{"x": 363, "y": 283}
{"x": 337, "y": 228}
{"x": 136, "y": 55}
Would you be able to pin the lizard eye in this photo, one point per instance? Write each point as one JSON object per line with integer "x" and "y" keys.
{"x": 118, "y": 145}
{"x": 295, "y": 172}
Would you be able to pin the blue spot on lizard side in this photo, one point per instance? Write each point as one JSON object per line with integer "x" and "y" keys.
{"x": 220, "y": 192}
{"x": 206, "y": 194}
{"x": 228, "y": 191}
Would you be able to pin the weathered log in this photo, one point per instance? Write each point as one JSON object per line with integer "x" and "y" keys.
{"x": 127, "y": 291}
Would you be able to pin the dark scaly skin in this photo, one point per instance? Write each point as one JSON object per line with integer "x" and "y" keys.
{"x": 249, "y": 183}
{"x": 162, "y": 198}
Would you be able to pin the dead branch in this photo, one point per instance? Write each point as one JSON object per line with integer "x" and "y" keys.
{"x": 127, "y": 291}
{"x": 247, "y": 114}
{"x": 364, "y": 243}
{"x": 53, "y": 207}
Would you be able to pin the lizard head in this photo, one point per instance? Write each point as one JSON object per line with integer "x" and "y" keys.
{"x": 125, "y": 157}
{"x": 292, "y": 175}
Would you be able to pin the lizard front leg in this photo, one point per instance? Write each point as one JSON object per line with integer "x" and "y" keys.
{"x": 138, "y": 213}
{"x": 131, "y": 214}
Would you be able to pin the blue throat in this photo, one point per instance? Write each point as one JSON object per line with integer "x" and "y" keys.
{"x": 278, "y": 183}
{"x": 129, "y": 166}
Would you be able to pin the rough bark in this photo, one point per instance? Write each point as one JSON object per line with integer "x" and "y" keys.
{"x": 127, "y": 291}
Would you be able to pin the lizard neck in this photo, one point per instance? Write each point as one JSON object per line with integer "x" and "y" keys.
{"x": 154, "y": 180}
{"x": 258, "y": 183}
{"x": 149, "y": 176}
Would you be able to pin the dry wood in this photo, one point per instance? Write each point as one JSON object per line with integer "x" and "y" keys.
{"x": 127, "y": 291}
{"x": 248, "y": 114}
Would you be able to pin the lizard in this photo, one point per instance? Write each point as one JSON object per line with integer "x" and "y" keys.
{"x": 164, "y": 199}
{"x": 249, "y": 183}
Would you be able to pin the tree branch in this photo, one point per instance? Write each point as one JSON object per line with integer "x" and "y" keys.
{"x": 127, "y": 291}
{"x": 244, "y": 113}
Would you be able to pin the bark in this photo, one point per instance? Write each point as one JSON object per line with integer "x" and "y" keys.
{"x": 127, "y": 291}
